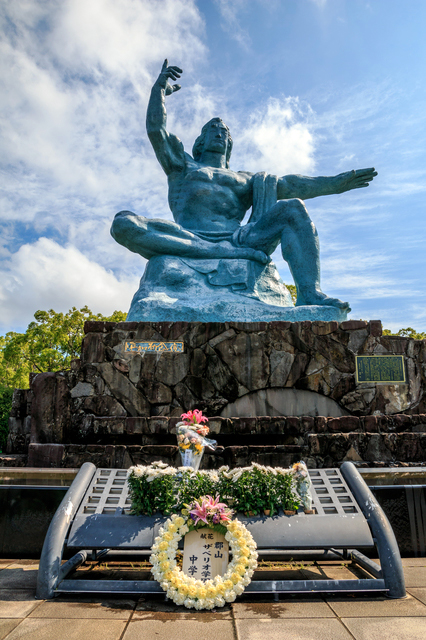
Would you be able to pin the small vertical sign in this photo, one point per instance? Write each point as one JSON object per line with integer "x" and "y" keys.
{"x": 205, "y": 554}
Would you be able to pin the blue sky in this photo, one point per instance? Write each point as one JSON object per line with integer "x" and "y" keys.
{"x": 314, "y": 87}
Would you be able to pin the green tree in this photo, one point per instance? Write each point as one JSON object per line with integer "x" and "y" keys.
{"x": 409, "y": 332}
{"x": 293, "y": 292}
{"x": 50, "y": 342}
{"x": 5, "y": 406}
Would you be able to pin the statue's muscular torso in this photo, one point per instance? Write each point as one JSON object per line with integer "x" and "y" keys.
{"x": 204, "y": 198}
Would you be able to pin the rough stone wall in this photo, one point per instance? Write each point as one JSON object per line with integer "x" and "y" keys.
{"x": 320, "y": 441}
{"x": 112, "y": 398}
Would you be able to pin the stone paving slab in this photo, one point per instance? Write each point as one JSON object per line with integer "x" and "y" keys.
{"x": 373, "y": 606}
{"x": 252, "y": 617}
{"x": 294, "y": 629}
{"x": 415, "y": 576}
{"x": 181, "y": 629}
{"x": 85, "y": 608}
{"x": 418, "y": 592}
{"x": 290, "y": 609}
{"x": 19, "y": 576}
{"x": 54, "y": 629}
{"x": 413, "y": 562}
{"x": 170, "y": 611}
{"x": 386, "y": 628}
{"x": 6, "y": 626}
{"x": 17, "y": 603}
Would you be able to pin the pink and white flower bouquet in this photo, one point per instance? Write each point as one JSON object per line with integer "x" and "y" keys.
{"x": 191, "y": 437}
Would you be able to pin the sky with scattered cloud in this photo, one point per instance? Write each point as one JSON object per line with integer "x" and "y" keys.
{"x": 314, "y": 87}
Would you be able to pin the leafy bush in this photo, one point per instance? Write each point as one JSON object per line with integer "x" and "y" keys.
{"x": 253, "y": 489}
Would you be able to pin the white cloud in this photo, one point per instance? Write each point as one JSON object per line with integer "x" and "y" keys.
{"x": 230, "y": 11}
{"x": 75, "y": 89}
{"x": 277, "y": 138}
{"x": 44, "y": 275}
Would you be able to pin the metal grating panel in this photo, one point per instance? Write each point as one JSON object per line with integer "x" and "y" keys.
{"x": 330, "y": 493}
{"x": 108, "y": 494}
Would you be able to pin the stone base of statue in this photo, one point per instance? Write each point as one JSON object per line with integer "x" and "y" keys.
{"x": 176, "y": 289}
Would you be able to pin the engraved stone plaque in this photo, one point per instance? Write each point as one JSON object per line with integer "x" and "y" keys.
{"x": 380, "y": 369}
{"x": 151, "y": 346}
{"x": 205, "y": 554}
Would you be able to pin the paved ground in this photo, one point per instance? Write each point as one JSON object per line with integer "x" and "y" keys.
{"x": 304, "y": 618}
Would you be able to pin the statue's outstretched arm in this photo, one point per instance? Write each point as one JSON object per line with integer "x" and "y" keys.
{"x": 168, "y": 148}
{"x": 304, "y": 188}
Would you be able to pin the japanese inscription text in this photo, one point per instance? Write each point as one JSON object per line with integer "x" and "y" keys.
{"x": 158, "y": 347}
{"x": 380, "y": 369}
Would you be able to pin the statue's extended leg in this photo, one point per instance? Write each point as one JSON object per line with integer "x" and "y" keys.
{"x": 153, "y": 237}
{"x": 300, "y": 248}
{"x": 289, "y": 222}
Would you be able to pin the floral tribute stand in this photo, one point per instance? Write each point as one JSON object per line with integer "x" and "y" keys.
{"x": 151, "y": 509}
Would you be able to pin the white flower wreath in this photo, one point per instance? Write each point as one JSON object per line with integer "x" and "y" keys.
{"x": 192, "y": 593}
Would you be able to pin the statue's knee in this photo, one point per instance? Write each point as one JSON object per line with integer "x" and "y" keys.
{"x": 291, "y": 211}
{"x": 119, "y": 224}
{"x": 299, "y": 211}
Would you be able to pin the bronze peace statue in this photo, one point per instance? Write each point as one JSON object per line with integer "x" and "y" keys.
{"x": 206, "y": 266}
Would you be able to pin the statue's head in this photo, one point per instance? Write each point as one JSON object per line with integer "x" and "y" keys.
{"x": 209, "y": 128}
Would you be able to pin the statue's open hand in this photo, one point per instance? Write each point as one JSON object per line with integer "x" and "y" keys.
{"x": 354, "y": 179}
{"x": 167, "y": 73}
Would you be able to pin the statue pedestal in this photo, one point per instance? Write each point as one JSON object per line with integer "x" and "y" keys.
{"x": 188, "y": 290}
{"x": 280, "y": 391}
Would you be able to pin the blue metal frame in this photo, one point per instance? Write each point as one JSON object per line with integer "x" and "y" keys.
{"x": 366, "y": 526}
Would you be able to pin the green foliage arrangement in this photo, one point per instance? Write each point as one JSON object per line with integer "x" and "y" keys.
{"x": 253, "y": 489}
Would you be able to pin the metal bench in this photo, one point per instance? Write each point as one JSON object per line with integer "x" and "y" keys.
{"x": 94, "y": 517}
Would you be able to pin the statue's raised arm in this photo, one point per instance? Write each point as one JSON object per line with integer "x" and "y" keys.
{"x": 168, "y": 148}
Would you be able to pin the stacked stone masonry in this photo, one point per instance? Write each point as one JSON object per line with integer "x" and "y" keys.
{"x": 118, "y": 408}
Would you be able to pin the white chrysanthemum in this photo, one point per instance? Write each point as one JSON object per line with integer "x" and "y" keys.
{"x": 159, "y": 464}
{"x": 219, "y": 601}
{"x": 223, "y": 468}
{"x": 189, "y": 603}
{"x": 230, "y": 595}
{"x": 179, "y": 599}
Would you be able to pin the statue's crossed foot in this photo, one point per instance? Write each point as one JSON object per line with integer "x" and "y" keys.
{"x": 227, "y": 250}
{"x": 320, "y": 298}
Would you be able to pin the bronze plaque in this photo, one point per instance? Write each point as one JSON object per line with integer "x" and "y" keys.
{"x": 154, "y": 346}
{"x": 380, "y": 369}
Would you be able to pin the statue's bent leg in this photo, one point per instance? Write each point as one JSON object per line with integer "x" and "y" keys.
{"x": 289, "y": 222}
{"x": 152, "y": 237}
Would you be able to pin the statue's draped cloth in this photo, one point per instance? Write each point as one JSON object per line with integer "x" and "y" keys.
{"x": 238, "y": 274}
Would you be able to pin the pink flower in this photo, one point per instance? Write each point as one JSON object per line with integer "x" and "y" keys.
{"x": 199, "y": 512}
{"x": 194, "y": 417}
{"x": 213, "y": 503}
